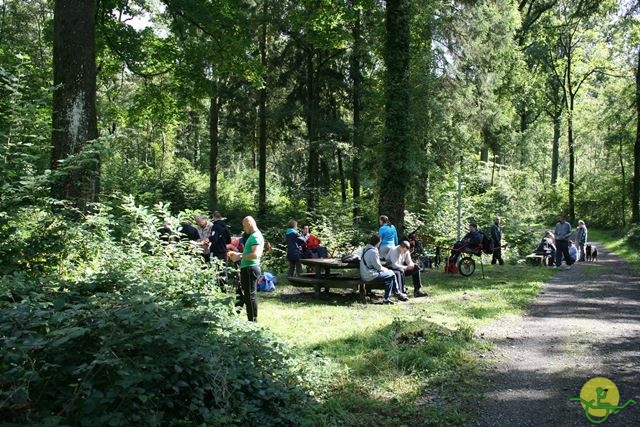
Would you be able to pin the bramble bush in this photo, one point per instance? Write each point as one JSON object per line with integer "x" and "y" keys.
{"x": 115, "y": 327}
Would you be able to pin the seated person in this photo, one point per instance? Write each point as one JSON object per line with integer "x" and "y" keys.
{"x": 312, "y": 248}
{"x": 400, "y": 261}
{"x": 573, "y": 251}
{"x": 371, "y": 270}
{"x": 547, "y": 247}
{"x": 471, "y": 242}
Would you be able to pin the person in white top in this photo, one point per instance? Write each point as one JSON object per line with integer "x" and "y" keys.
{"x": 400, "y": 261}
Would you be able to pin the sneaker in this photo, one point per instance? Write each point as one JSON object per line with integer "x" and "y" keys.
{"x": 386, "y": 301}
{"x": 401, "y": 297}
{"x": 419, "y": 294}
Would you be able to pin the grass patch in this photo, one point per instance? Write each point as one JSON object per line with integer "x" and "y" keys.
{"x": 413, "y": 363}
{"x": 618, "y": 243}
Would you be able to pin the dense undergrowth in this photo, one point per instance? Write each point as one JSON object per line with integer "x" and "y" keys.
{"x": 103, "y": 324}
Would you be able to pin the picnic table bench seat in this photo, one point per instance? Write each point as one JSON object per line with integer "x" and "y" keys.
{"x": 537, "y": 259}
{"x": 323, "y": 277}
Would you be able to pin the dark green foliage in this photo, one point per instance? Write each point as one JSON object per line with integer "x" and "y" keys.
{"x": 106, "y": 325}
{"x": 102, "y": 352}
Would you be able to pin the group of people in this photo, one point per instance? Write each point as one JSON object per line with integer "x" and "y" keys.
{"x": 398, "y": 265}
{"x": 300, "y": 246}
{"x": 214, "y": 238}
{"x": 557, "y": 246}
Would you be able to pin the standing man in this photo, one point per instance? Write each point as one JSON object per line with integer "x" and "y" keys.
{"x": 562, "y": 232}
{"x": 219, "y": 239}
{"x": 581, "y": 239}
{"x": 204, "y": 231}
{"x": 496, "y": 236}
{"x": 250, "y": 266}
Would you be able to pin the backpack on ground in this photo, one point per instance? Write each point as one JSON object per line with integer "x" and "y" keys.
{"x": 266, "y": 282}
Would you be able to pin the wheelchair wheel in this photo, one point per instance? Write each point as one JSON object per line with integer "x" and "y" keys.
{"x": 466, "y": 266}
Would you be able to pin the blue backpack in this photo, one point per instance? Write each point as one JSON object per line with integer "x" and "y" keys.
{"x": 267, "y": 282}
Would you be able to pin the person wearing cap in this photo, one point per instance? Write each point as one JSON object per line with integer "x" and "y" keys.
{"x": 401, "y": 263}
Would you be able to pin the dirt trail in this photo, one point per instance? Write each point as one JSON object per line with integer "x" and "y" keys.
{"x": 585, "y": 324}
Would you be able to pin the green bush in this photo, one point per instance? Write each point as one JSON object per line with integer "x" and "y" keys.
{"x": 116, "y": 328}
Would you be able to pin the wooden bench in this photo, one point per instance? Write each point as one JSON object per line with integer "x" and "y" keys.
{"x": 536, "y": 259}
{"x": 325, "y": 278}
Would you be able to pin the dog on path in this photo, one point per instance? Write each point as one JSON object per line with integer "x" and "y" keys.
{"x": 594, "y": 254}
{"x": 588, "y": 252}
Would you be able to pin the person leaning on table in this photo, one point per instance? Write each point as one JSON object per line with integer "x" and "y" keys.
{"x": 250, "y": 266}
{"x": 372, "y": 270}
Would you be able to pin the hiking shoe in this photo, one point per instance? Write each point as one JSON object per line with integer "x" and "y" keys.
{"x": 387, "y": 302}
{"x": 402, "y": 297}
{"x": 419, "y": 294}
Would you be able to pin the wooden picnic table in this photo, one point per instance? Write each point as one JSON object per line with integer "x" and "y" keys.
{"x": 324, "y": 275}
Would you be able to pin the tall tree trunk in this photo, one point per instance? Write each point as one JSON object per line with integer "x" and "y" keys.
{"x": 555, "y": 149}
{"x": 623, "y": 191}
{"x": 343, "y": 181}
{"x": 74, "y": 100}
{"x": 356, "y": 77}
{"x": 262, "y": 115}
{"x": 313, "y": 169}
{"x": 635, "y": 199}
{"x": 572, "y": 167}
{"x": 396, "y": 144}
{"x": 214, "y": 141}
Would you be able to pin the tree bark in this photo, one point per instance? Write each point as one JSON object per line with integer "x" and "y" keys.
{"x": 313, "y": 169}
{"x": 396, "y": 145}
{"x": 635, "y": 199}
{"x": 356, "y": 77}
{"x": 555, "y": 149}
{"x": 74, "y": 100}
{"x": 343, "y": 181}
{"x": 262, "y": 117}
{"x": 214, "y": 141}
{"x": 623, "y": 188}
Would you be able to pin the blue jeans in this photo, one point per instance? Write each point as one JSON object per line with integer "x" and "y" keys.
{"x": 389, "y": 279}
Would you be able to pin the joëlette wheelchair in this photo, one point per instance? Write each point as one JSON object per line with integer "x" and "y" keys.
{"x": 463, "y": 261}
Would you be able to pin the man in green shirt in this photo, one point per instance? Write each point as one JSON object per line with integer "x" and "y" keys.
{"x": 250, "y": 266}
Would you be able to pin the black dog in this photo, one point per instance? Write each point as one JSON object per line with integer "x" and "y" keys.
{"x": 594, "y": 254}
{"x": 588, "y": 252}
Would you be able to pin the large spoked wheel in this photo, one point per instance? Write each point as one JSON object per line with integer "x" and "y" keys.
{"x": 466, "y": 266}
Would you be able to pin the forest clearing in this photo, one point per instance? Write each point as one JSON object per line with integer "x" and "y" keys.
{"x": 463, "y": 176}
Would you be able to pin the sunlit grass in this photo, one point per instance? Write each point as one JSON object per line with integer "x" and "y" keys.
{"x": 617, "y": 243}
{"x": 410, "y": 363}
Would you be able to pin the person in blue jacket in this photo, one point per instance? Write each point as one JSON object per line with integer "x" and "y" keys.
{"x": 388, "y": 236}
{"x": 294, "y": 248}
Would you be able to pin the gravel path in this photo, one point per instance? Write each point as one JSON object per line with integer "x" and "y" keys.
{"x": 585, "y": 323}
